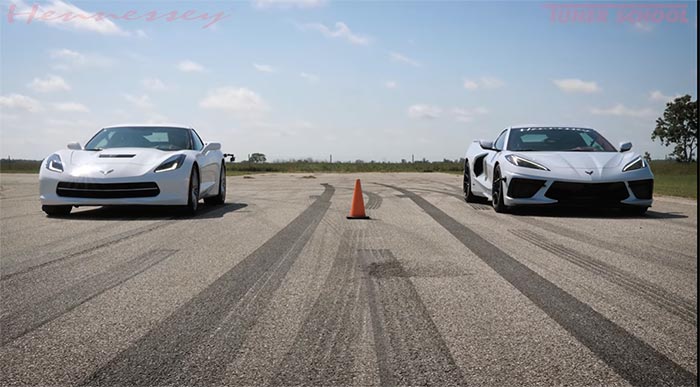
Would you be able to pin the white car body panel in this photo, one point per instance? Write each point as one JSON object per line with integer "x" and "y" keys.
{"x": 570, "y": 167}
{"x": 83, "y": 166}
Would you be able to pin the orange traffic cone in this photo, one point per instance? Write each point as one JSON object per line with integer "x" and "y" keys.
{"x": 357, "y": 210}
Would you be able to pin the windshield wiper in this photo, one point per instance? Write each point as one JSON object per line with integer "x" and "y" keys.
{"x": 93, "y": 149}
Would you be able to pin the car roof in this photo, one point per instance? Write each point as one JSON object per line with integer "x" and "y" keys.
{"x": 549, "y": 127}
{"x": 175, "y": 126}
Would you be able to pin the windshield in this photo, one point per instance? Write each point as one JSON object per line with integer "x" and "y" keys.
{"x": 141, "y": 137}
{"x": 558, "y": 140}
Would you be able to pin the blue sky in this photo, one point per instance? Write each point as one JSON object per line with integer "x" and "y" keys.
{"x": 360, "y": 80}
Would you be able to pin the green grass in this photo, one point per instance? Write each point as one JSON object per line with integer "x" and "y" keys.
{"x": 322, "y": 167}
{"x": 671, "y": 178}
{"x": 675, "y": 179}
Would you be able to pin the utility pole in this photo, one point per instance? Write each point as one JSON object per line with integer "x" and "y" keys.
{"x": 331, "y": 159}
{"x": 413, "y": 160}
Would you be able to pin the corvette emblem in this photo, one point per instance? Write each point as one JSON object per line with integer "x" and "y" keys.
{"x": 106, "y": 172}
{"x": 589, "y": 172}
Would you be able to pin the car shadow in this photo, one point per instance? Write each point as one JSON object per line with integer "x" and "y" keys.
{"x": 153, "y": 212}
{"x": 592, "y": 213}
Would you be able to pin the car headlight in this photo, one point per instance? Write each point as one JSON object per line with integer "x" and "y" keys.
{"x": 171, "y": 164}
{"x": 53, "y": 163}
{"x": 522, "y": 162}
{"x": 637, "y": 163}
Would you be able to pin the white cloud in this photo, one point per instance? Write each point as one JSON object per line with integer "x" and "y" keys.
{"x": 658, "y": 96}
{"x": 483, "y": 83}
{"x": 70, "y": 107}
{"x": 263, "y": 68}
{"x": 491, "y": 83}
{"x": 391, "y": 84}
{"x": 470, "y": 85}
{"x": 153, "y": 84}
{"x": 288, "y": 3}
{"x": 239, "y": 101}
{"x": 468, "y": 115}
{"x": 574, "y": 85}
{"x": 309, "y": 77}
{"x": 140, "y": 101}
{"x": 66, "y": 59}
{"x": 421, "y": 111}
{"x": 341, "y": 31}
{"x": 643, "y": 26}
{"x": 75, "y": 19}
{"x": 623, "y": 111}
{"x": 19, "y": 101}
{"x": 49, "y": 84}
{"x": 398, "y": 57}
{"x": 189, "y": 66}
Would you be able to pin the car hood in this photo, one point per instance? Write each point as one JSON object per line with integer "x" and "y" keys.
{"x": 120, "y": 156}
{"x": 591, "y": 161}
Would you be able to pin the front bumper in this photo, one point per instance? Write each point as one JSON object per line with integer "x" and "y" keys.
{"x": 171, "y": 188}
{"x": 523, "y": 189}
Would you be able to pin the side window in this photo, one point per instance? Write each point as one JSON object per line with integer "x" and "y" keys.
{"x": 500, "y": 141}
{"x": 196, "y": 141}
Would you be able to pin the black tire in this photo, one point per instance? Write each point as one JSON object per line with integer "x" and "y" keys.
{"x": 57, "y": 210}
{"x": 193, "y": 192}
{"x": 497, "y": 193}
{"x": 469, "y": 197}
{"x": 220, "y": 198}
{"x": 634, "y": 210}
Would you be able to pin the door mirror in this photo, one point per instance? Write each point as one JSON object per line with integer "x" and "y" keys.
{"x": 488, "y": 145}
{"x": 625, "y": 146}
{"x": 74, "y": 146}
{"x": 212, "y": 146}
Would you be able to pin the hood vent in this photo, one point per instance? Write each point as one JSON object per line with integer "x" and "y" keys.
{"x": 115, "y": 156}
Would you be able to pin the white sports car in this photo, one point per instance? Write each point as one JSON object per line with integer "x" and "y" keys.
{"x": 535, "y": 165}
{"x": 128, "y": 165}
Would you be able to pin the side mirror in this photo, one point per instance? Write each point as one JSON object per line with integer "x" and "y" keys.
{"x": 625, "y": 146}
{"x": 212, "y": 146}
{"x": 488, "y": 145}
{"x": 74, "y": 146}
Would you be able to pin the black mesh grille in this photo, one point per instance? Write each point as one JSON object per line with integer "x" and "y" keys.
{"x": 520, "y": 188}
{"x": 642, "y": 189}
{"x": 107, "y": 190}
{"x": 573, "y": 193}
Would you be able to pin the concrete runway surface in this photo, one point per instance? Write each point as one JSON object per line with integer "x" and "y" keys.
{"x": 277, "y": 288}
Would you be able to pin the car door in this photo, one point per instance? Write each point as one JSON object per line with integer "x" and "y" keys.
{"x": 490, "y": 160}
{"x": 208, "y": 165}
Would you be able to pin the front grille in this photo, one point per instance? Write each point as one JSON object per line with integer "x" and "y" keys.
{"x": 107, "y": 190}
{"x": 520, "y": 188}
{"x": 585, "y": 193}
{"x": 642, "y": 189}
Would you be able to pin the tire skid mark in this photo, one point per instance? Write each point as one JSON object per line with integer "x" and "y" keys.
{"x": 410, "y": 349}
{"x": 195, "y": 343}
{"x": 54, "y": 258}
{"x": 632, "y": 358}
{"x": 322, "y": 350}
{"x": 374, "y": 202}
{"x": 676, "y": 305}
{"x": 34, "y": 316}
{"x": 669, "y": 257}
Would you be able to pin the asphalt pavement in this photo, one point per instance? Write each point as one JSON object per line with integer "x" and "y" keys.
{"x": 277, "y": 287}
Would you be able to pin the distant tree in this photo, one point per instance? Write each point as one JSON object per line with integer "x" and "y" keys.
{"x": 403, "y": 161}
{"x": 647, "y": 156}
{"x": 679, "y": 126}
{"x": 257, "y": 158}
